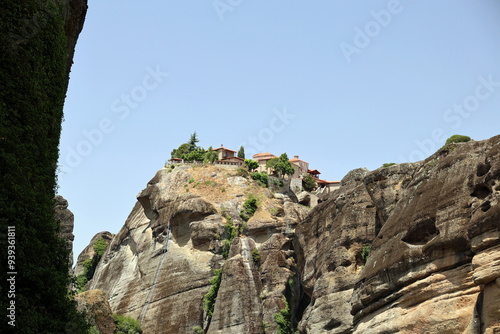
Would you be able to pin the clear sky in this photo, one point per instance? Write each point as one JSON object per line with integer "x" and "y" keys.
{"x": 342, "y": 84}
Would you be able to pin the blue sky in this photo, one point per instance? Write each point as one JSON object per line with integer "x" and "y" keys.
{"x": 342, "y": 84}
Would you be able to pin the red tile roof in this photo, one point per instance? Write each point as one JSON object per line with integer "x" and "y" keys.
{"x": 233, "y": 158}
{"x": 296, "y": 160}
{"x": 262, "y": 154}
{"x": 222, "y": 148}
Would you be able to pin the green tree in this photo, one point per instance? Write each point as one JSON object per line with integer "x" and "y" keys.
{"x": 196, "y": 155}
{"x": 251, "y": 164}
{"x": 126, "y": 325}
{"x": 241, "y": 152}
{"x": 271, "y": 164}
{"x": 34, "y": 67}
{"x": 192, "y": 142}
{"x": 284, "y": 166}
{"x": 309, "y": 182}
{"x": 181, "y": 151}
{"x": 211, "y": 155}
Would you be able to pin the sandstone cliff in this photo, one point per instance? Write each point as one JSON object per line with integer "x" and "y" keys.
{"x": 66, "y": 222}
{"x": 88, "y": 252}
{"x": 158, "y": 267}
{"x": 432, "y": 230}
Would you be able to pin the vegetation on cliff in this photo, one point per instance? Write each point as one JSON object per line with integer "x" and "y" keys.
{"x": 90, "y": 265}
{"x": 33, "y": 60}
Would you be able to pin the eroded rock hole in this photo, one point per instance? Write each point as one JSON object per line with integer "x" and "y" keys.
{"x": 486, "y": 206}
{"x": 481, "y": 191}
{"x": 332, "y": 324}
{"x": 422, "y": 232}
{"x": 482, "y": 169}
{"x": 378, "y": 224}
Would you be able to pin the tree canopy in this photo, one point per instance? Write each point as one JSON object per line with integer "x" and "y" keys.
{"x": 251, "y": 164}
{"x": 193, "y": 140}
{"x": 284, "y": 166}
{"x": 241, "y": 152}
{"x": 309, "y": 182}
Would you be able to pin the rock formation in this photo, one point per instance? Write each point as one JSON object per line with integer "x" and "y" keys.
{"x": 66, "y": 222}
{"x": 411, "y": 248}
{"x": 433, "y": 230}
{"x": 95, "y": 304}
{"x": 88, "y": 252}
{"x": 158, "y": 267}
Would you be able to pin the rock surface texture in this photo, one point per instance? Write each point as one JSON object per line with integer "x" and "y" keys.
{"x": 67, "y": 223}
{"x": 433, "y": 229}
{"x": 88, "y": 252}
{"x": 412, "y": 248}
{"x": 158, "y": 268}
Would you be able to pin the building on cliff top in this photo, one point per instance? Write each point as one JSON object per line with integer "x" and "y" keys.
{"x": 301, "y": 167}
{"x": 225, "y": 156}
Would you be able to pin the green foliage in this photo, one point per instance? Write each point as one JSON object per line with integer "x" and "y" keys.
{"x": 250, "y": 206}
{"x": 99, "y": 247}
{"x": 241, "y": 152}
{"x": 223, "y": 189}
{"x": 271, "y": 163}
{"x": 196, "y": 155}
{"x": 230, "y": 228}
{"x": 458, "y": 139}
{"x": 211, "y": 155}
{"x": 242, "y": 171}
{"x": 211, "y": 296}
{"x": 81, "y": 281}
{"x": 191, "y": 180}
{"x": 365, "y": 252}
{"x": 231, "y": 232}
{"x": 94, "y": 330}
{"x": 256, "y": 256}
{"x": 126, "y": 325}
{"x": 193, "y": 140}
{"x": 309, "y": 182}
{"x": 388, "y": 164}
{"x": 198, "y": 330}
{"x": 226, "y": 246}
{"x": 87, "y": 268}
{"x": 172, "y": 166}
{"x": 284, "y": 166}
{"x": 89, "y": 265}
{"x": 181, "y": 151}
{"x": 266, "y": 326}
{"x": 282, "y": 318}
{"x": 251, "y": 164}
{"x": 33, "y": 77}
{"x": 262, "y": 178}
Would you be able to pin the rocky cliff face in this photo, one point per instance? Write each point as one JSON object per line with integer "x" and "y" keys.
{"x": 431, "y": 229}
{"x": 88, "y": 252}
{"x": 158, "y": 267}
{"x": 67, "y": 222}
